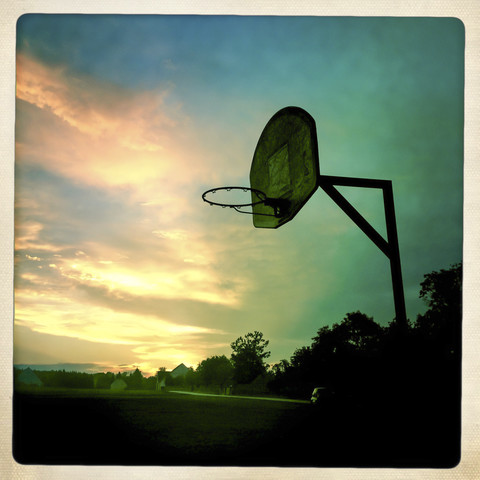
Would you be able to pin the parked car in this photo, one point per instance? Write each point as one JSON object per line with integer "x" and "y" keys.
{"x": 320, "y": 395}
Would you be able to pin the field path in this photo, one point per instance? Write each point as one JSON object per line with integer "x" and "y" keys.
{"x": 273, "y": 399}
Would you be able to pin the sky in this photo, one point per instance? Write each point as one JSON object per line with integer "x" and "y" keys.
{"x": 122, "y": 122}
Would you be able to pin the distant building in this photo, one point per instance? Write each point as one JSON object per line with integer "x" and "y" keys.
{"x": 179, "y": 371}
{"x": 28, "y": 377}
{"x": 160, "y": 384}
{"x": 118, "y": 385}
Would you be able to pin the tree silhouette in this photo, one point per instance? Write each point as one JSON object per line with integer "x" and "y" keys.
{"x": 437, "y": 333}
{"x": 135, "y": 380}
{"x": 191, "y": 378}
{"x": 440, "y": 325}
{"x": 248, "y": 357}
{"x": 216, "y": 370}
{"x": 442, "y": 290}
{"x": 356, "y": 333}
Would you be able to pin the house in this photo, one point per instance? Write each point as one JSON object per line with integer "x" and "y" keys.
{"x": 28, "y": 377}
{"x": 179, "y": 371}
{"x": 118, "y": 385}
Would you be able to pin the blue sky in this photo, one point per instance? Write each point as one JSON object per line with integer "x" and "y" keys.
{"x": 123, "y": 121}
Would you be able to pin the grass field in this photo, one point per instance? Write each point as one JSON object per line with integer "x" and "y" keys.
{"x": 148, "y": 428}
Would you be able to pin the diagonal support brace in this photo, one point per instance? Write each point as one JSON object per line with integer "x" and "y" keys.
{"x": 388, "y": 247}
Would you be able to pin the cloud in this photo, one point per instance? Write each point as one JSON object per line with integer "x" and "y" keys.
{"x": 68, "y": 318}
{"x": 102, "y": 135}
{"x": 32, "y": 347}
{"x": 99, "y": 111}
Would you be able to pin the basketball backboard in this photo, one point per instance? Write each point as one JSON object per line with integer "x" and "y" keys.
{"x": 284, "y": 166}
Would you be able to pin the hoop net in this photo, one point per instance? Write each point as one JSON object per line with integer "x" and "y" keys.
{"x": 238, "y": 205}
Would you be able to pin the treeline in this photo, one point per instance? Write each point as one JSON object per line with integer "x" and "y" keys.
{"x": 359, "y": 357}
{"x": 133, "y": 380}
{"x": 61, "y": 378}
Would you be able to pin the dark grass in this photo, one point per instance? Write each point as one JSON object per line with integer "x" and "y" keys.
{"x": 104, "y": 428}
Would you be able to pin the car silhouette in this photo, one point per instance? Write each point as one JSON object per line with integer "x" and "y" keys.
{"x": 320, "y": 395}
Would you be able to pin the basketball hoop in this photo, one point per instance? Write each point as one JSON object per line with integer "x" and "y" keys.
{"x": 285, "y": 173}
{"x": 276, "y": 204}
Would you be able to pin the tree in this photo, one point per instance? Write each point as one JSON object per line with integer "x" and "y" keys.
{"x": 441, "y": 323}
{"x": 442, "y": 291}
{"x": 150, "y": 383}
{"x": 191, "y": 378}
{"x": 216, "y": 370}
{"x": 355, "y": 334}
{"x": 135, "y": 380}
{"x": 280, "y": 368}
{"x": 359, "y": 332}
{"x": 161, "y": 373}
{"x": 103, "y": 380}
{"x": 249, "y": 353}
{"x": 301, "y": 358}
{"x": 346, "y": 355}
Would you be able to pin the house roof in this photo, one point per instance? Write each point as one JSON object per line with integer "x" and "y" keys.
{"x": 179, "y": 370}
{"x": 118, "y": 384}
{"x": 28, "y": 377}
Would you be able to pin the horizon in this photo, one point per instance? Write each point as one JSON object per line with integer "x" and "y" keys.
{"x": 123, "y": 121}
{"x": 89, "y": 368}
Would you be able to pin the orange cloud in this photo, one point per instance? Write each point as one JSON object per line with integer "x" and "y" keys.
{"x": 104, "y": 135}
{"x": 97, "y": 110}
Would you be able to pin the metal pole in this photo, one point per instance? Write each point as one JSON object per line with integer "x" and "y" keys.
{"x": 390, "y": 247}
{"x": 396, "y": 269}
